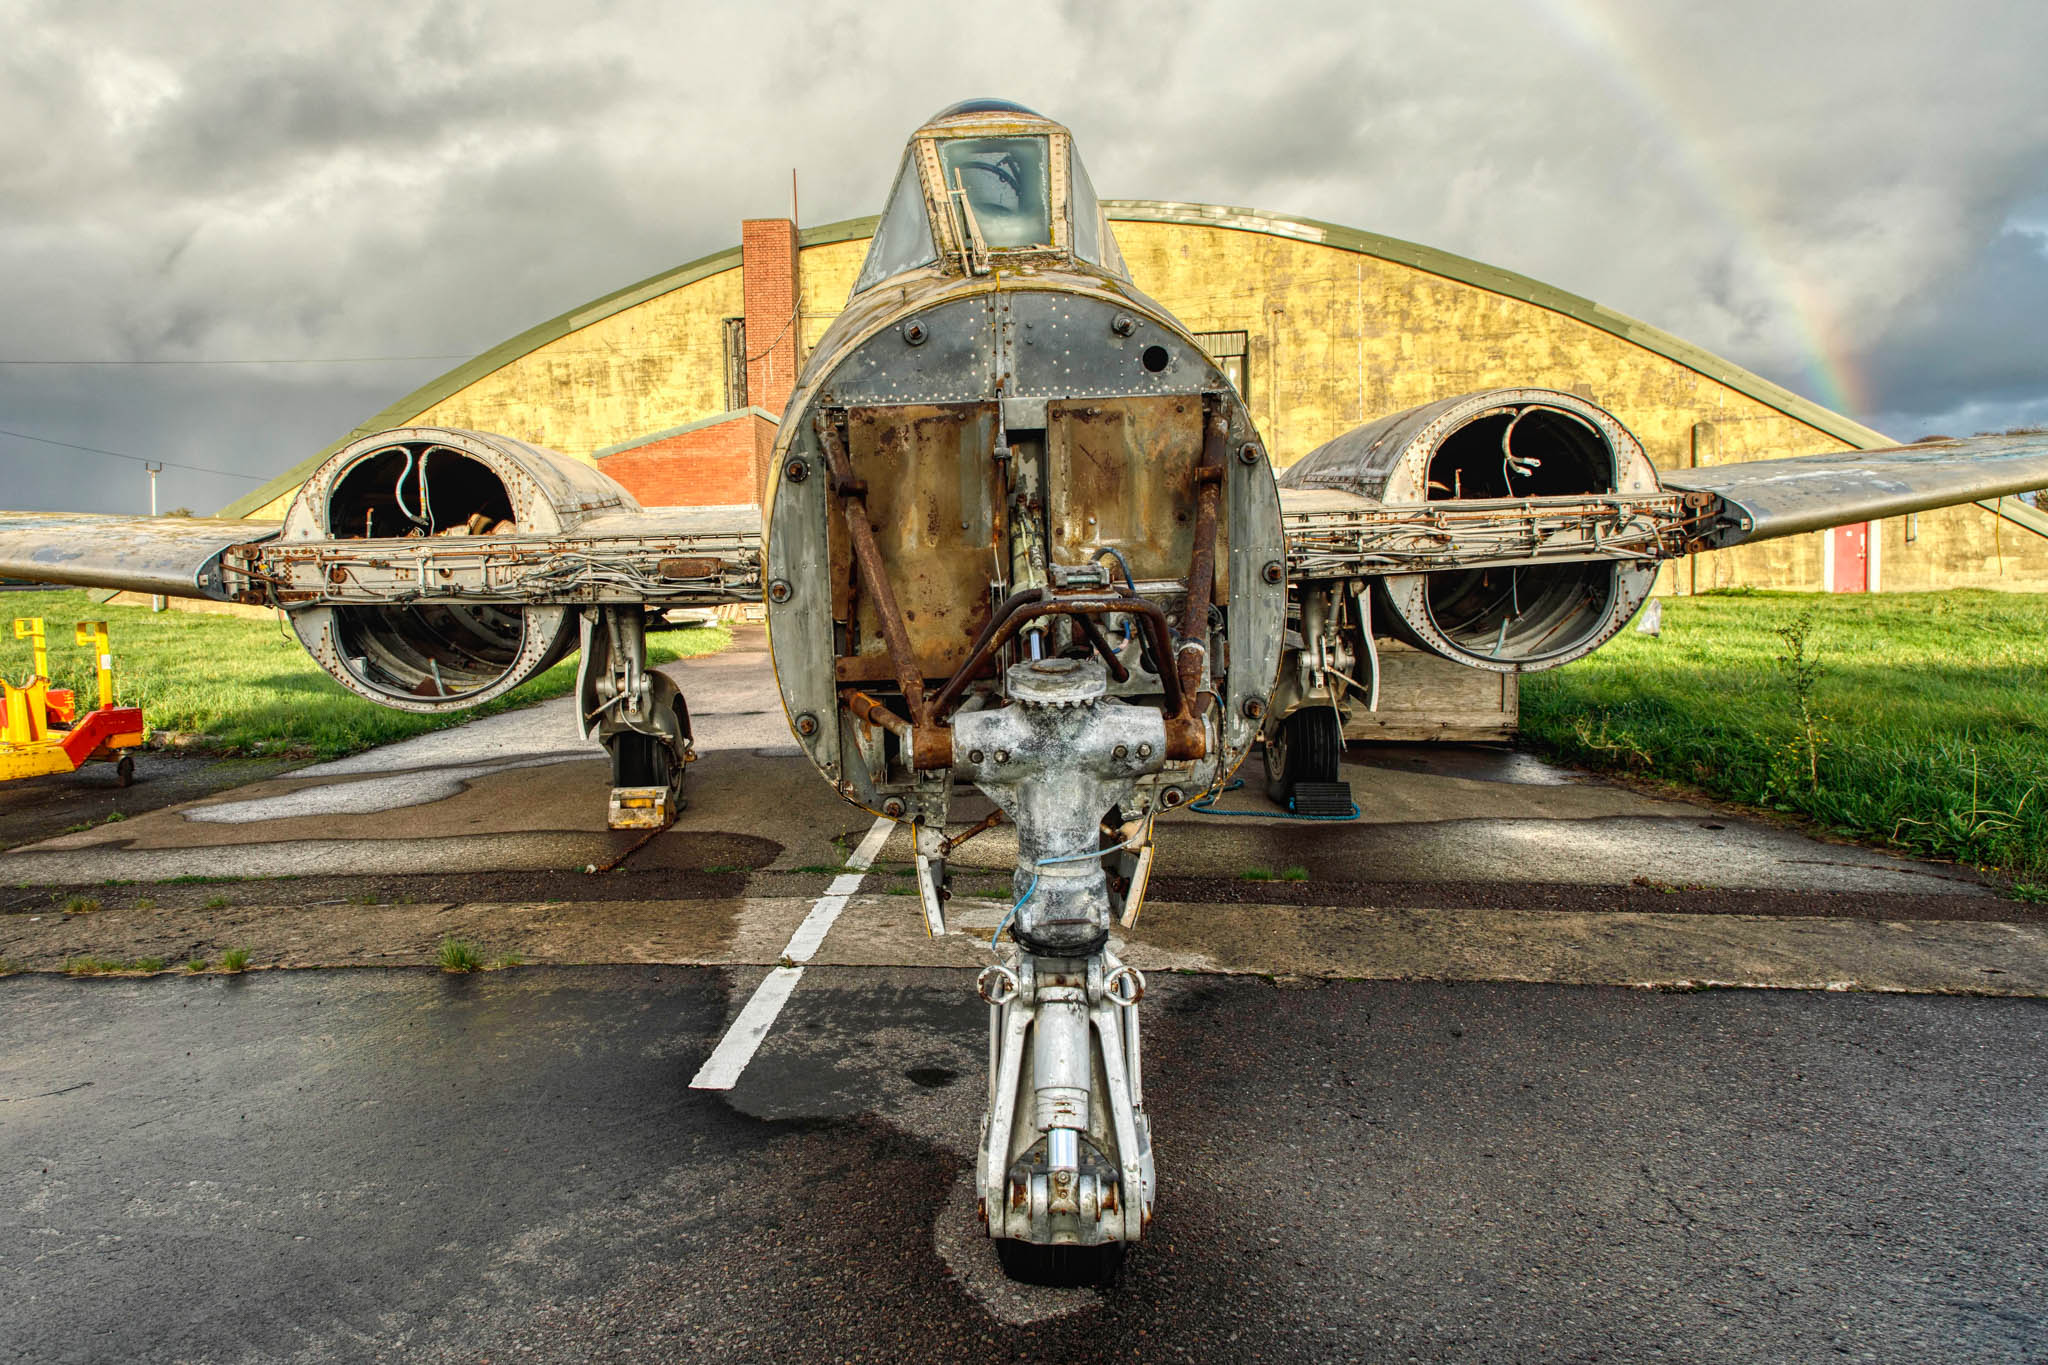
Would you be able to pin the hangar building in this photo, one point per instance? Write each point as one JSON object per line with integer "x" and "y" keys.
{"x": 673, "y": 385}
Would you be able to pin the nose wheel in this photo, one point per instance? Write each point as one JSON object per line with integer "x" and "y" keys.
{"x": 1060, "y": 1267}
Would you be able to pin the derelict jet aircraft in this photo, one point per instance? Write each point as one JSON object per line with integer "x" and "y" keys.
{"x": 1022, "y": 536}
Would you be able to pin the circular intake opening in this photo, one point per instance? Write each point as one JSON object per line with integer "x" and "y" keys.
{"x": 1518, "y": 616}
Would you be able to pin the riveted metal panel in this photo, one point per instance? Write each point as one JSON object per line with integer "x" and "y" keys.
{"x": 954, "y": 360}
{"x": 932, "y": 500}
{"x": 798, "y": 590}
{"x": 1121, "y": 473}
{"x": 1066, "y": 345}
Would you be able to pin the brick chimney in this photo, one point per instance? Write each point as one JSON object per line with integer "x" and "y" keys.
{"x": 768, "y": 271}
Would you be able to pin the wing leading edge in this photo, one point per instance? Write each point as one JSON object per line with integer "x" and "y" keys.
{"x": 170, "y": 556}
{"x": 1768, "y": 498}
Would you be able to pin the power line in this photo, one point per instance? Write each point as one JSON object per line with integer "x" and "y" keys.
{"x": 314, "y": 360}
{"x": 121, "y": 455}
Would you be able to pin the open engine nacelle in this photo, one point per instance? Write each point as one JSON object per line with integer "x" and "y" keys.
{"x": 1493, "y": 449}
{"x": 419, "y": 482}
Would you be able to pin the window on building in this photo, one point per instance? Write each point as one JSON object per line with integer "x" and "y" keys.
{"x": 735, "y": 364}
{"x": 1231, "y": 351}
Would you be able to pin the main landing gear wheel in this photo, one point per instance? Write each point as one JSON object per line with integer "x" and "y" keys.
{"x": 1060, "y": 1267}
{"x": 641, "y": 760}
{"x": 1308, "y": 747}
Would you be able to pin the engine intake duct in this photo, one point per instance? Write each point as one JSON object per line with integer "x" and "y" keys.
{"x": 1490, "y": 445}
{"x": 432, "y": 482}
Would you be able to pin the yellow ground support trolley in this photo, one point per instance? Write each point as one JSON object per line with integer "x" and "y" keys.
{"x": 40, "y": 728}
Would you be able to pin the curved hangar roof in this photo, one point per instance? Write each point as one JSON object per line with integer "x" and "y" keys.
{"x": 1339, "y": 325}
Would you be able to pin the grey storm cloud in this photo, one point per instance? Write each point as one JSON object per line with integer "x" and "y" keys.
{"x": 1821, "y": 192}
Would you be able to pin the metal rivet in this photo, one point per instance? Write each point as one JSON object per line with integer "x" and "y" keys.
{"x": 893, "y": 808}
{"x": 779, "y": 590}
{"x": 974, "y": 755}
{"x": 1124, "y": 325}
{"x": 1120, "y": 751}
{"x": 1172, "y": 797}
{"x": 1273, "y": 572}
{"x": 1002, "y": 755}
{"x": 1144, "y": 751}
{"x": 807, "y": 725}
{"x": 914, "y": 332}
{"x": 1248, "y": 452}
{"x": 796, "y": 471}
{"x": 1254, "y": 707}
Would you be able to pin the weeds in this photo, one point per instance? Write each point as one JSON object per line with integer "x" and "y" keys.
{"x": 81, "y": 905}
{"x": 147, "y": 964}
{"x": 214, "y": 903}
{"x": 2033, "y": 893}
{"x": 235, "y": 960}
{"x": 1255, "y": 874}
{"x": 145, "y": 902}
{"x": 509, "y": 960}
{"x": 195, "y": 964}
{"x": 1802, "y": 670}
{"x": 1294, "y": 874}
{"x": 460, "y": 955}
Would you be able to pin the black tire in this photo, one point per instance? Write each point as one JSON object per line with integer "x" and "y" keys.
{"x": 1308, "y": 747}
{"x": 639, "y": 760}
{"x": 1060, "y": 1267}
{"x": 124, "y": 771}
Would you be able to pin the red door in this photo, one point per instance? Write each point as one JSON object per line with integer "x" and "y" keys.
{"x": 1852, "y": 558}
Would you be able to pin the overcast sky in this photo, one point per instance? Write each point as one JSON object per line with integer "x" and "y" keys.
{"x": 1851, "y": 199}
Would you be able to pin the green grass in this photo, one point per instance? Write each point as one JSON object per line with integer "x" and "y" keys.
{"x": 80, "y": 905}
{"x": 1925, "y": 714}
{"x": 195, "y": 964}
{"x": 235, "y": 960}
{"x": 247, "y": 684}
{"x": 215, "y": 903}
{"x": 1256, "y": 874}
{"x": 460, "y": 955}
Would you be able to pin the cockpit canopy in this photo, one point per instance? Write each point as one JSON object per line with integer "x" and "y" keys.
{"x": 984, "y": 184}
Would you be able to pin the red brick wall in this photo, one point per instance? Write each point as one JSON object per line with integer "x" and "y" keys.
{"x": 768, "y": 265}
{"x": 726, "y": 462}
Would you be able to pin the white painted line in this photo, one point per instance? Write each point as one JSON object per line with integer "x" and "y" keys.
{"x": 864, "y": 857}
{"x": 722, "y": 1069}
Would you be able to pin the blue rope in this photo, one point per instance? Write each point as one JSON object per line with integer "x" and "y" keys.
{"x": 1207, "y": 806}
{"x": 1012, "y": 914}
{"x": 1047, "y": 862}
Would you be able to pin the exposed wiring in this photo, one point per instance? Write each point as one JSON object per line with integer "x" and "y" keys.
{"x": 1122, "y": 563}
{"x": 1012, "y": 912}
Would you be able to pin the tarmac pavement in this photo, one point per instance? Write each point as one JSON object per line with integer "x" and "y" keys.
{"x": 1408, "y": 1105}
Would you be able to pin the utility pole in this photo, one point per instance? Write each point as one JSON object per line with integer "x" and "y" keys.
{"x": 156, "y": 602}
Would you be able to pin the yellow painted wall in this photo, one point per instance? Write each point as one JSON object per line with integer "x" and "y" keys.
{"x": 1336, "y": 337}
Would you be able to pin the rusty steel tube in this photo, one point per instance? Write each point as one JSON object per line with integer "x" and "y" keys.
{"x": 1100, "y": 642}
{"x": 1037, "y": 602}
{"x": 864, "y": 707}
{"x": 1194, "y": 623}
{"x": 874, "y": 575}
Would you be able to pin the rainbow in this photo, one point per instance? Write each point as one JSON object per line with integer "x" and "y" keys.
{"x": 1625, "y": 67}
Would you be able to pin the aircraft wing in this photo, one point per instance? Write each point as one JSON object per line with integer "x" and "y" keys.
{"x": 169, "y": 556}
{"x": 1768, "y": 498}
{"x": 669, "y": 556}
